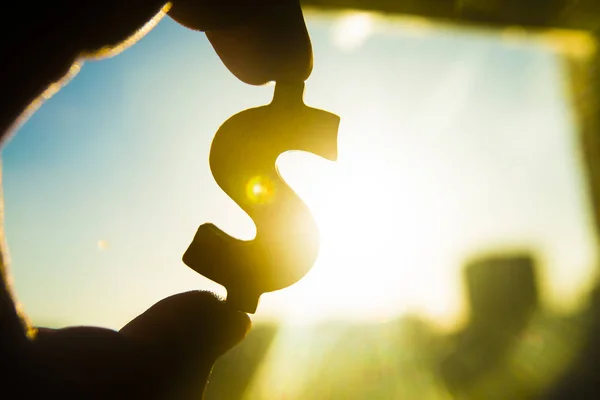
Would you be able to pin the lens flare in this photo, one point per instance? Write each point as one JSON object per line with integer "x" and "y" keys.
{"x": 260, "y": 190}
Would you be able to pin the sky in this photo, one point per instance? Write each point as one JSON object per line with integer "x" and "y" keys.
{"x": 451, "y": 142}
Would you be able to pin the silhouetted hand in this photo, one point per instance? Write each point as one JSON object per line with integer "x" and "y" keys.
{"x": 165, "y": 353}
{"x": 168, "y": 351}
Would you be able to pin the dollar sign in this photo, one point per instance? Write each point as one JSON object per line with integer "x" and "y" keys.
{"x": 243, "y": 159}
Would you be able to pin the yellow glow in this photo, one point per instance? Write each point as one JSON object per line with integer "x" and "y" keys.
{"x": 575, "y": 44}
{"x": 260, "y": 190}
{"x": 352, "y": 30}
{"x": 368, "y": 265}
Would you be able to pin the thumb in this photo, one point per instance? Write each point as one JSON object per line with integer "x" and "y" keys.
{"x": 192, "y": 330}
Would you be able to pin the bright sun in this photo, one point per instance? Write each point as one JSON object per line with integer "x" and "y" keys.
{"x": 371, "y": 262}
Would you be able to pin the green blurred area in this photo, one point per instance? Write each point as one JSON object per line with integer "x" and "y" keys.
{"x": 511, "y": 348}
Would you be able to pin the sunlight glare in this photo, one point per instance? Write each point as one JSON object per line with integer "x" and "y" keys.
{"x": 371, "y": 263}
{"x": 352, "y": 30}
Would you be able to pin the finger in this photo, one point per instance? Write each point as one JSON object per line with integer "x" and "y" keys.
{"x": 50, "y": 36}
{"x": 261, "y": 41}
{"x": 194, "y": 329}
{"x": 190, "y": 320}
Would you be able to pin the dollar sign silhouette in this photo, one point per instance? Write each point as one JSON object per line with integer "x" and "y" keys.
{"x": 243, "y": 159}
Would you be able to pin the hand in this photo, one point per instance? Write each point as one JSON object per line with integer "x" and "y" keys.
{"x": 165, "y": 353}
{"x": 168, "y": 351}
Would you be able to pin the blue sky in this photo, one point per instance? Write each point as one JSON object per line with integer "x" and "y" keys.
{"x": 451, "y": 142}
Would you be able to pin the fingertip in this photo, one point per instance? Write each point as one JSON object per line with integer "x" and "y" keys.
{"x": 227, "y": 326}
{"x": 256, "y": 55}
{"x": 192, "y": 320}
{"x": 258, "y": 42}
{"x": 272, "y": 46}
{"x": 240, "y": 326}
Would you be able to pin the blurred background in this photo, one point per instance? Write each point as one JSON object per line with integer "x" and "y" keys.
{"x": 459, "y": 227}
